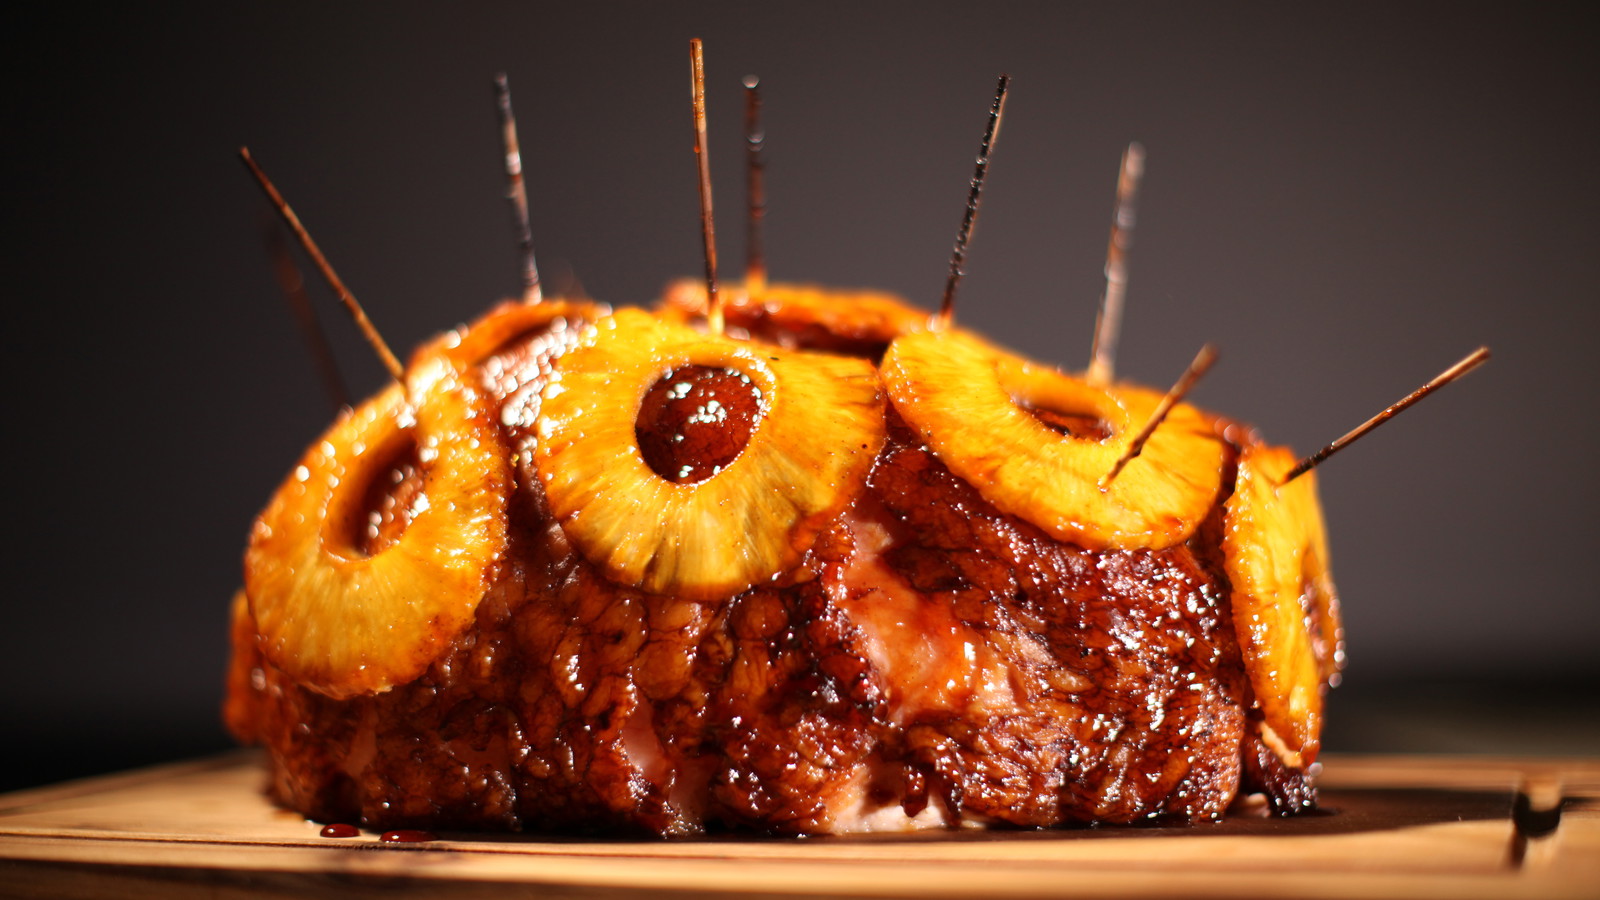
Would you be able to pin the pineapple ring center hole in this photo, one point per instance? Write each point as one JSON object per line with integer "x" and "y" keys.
{"x": 1085, "y": 426}
{"x": 1067, "y": 407}
{"x": 696, "y": 420}
{"x": 390, "y": 499}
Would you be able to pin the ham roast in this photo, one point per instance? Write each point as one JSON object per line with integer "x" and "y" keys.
{"x": 831, "y": 572}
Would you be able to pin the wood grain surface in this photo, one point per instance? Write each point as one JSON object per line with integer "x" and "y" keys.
{"x": 1454, "y": 827}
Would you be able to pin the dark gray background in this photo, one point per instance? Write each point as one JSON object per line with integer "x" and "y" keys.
{"x": 1346, "y": 199}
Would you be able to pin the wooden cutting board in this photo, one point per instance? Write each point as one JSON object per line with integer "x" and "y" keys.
{"x": 1449, "y": 827}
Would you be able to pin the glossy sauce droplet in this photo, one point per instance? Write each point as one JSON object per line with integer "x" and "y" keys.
{"x": 340, "y": 830}
{"x": 407, "y": 836}
{"x": 695, "y": 421}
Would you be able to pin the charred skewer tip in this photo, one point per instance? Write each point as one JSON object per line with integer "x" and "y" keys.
{"x": 1108, "y": 321}
{"x": 1469, "y": 362}
{"x": 697, "y": 73}
{"x": 1198, "y": 367}
{"x": 517, "y": 191}
{"x": 368, "y": 330}
{"x": 958, "y": 255}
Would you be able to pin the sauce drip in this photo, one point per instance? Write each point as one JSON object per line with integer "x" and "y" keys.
{"x": 340, "y": 830}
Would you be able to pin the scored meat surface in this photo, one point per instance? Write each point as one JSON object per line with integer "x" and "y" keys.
{"x": 930, "y": 661}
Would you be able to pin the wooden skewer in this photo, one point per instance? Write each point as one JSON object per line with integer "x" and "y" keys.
{"x": 385, "y": 355}
{"x": 1471, "y": 361}
{"x": 1108, "y": 323}
{"x": 1201, "y": 364}
{"x": 958, "y": 256}
{"x": 294, "y": 292}
{"x": 697, "y": 71}
{"x": 517, "y": 191}
{"x": 755, "y": 267}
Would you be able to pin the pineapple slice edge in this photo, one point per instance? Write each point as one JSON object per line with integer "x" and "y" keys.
{"x": 1285, "y": 606}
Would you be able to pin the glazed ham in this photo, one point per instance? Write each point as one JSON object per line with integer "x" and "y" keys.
{"x": 923, "y": 659}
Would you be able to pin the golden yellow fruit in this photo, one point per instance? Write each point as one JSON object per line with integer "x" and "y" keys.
{"x": 804, "y": 314}
{"x": 1038, "y": 444}
{"x": 1285, "y": 607}
{"x": 374, "y": 553}
{"x": 506, "y": 325}
{"x": 819, "y": 426}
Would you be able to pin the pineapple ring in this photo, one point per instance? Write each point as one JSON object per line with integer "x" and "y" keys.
{"x": 807, "y": 457}
{"x": 853, "y": 315}
{"x": 1285, "y": 608}
{"x": 470, "y": 346}
{"x": 344, "y": 622}
{"x": 968, "y": 401}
